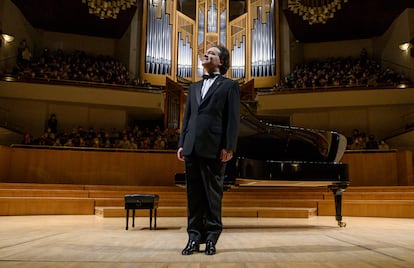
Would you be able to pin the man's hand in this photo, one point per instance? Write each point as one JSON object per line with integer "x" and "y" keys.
{"x": 226, "y": 155}
{"x": 180, "y": 154}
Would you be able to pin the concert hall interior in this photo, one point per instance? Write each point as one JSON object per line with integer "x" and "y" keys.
{"x": 92, "y": 96}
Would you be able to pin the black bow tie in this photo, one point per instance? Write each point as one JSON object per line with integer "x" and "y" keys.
{"x": 208, "y": 76}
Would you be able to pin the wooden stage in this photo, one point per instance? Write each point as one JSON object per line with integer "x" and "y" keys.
{"x": 76, "y": 218}
{"x": 49, "y": 225}
{"x": 94, "y": 241}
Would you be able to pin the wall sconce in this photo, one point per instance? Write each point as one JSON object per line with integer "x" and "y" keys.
{"x": 405, "y": 46}
{"x": 408, "y": 47}
{"x": 7, "y": 38}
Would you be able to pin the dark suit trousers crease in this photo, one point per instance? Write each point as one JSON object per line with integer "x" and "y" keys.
{"x": 204, "y": 194}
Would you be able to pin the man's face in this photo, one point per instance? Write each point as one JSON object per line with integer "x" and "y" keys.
{"x": 211, "y": 60}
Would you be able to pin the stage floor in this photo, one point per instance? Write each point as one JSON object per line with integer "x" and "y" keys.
{"x": 93, "y": 241}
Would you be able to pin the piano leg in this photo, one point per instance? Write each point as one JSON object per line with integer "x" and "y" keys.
{"x": 337, "y": 191}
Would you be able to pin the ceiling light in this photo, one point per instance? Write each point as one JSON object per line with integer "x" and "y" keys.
{"x": 315, "y": 11}
{"x": 108, "y": 9}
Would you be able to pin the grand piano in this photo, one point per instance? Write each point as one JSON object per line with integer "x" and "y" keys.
{"x": 275, "y": 155}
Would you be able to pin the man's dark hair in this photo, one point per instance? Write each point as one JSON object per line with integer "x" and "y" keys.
{"x": 224, "y": 57}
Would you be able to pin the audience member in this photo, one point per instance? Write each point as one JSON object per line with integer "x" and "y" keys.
{"x": 382, "y": 145}
{"x": 96, "y": 143}
{"x": 69, "y": 143}
{"x": 358, "y": 144}
{"x": 371, "y": 144}
{"x": 57, "y": 142}
{"x": 52, "y": 123}
{"x": 24, "y": 56}
{"x": 27, "y": 140}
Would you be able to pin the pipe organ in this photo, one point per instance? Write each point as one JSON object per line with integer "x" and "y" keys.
{"x": 176, "y": 33}
{"x": 174, "y": 39}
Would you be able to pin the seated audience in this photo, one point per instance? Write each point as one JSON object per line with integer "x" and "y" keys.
{"x": 359, "y": 141}
{"x": 77, "y": 65}
{"x": 128, "y": 138}
{"x": 342, "y": 72}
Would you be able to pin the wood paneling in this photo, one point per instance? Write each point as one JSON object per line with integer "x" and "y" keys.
{"x": 405, "y": 168}
{"x": 92, "y": 167}
{"x": 117, "y": 168}
{"x": 4, "y": 162}
{"x": 379, "y": 168}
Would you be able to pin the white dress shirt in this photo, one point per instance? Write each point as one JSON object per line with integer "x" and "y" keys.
{"x": 206, "y": 85}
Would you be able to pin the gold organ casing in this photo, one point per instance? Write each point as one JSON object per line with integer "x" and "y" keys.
{"x": 172, "y": 42}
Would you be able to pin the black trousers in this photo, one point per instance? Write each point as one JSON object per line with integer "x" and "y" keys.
{"x": 204, "y": 178}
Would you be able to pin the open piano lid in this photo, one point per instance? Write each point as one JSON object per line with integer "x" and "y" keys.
{"x": 274, "y": 152}
{"x": 261, "y": 140}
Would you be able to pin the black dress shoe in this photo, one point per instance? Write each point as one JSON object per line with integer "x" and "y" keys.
{"x": 210, "y": 248}
{"x": 191, "y": 247}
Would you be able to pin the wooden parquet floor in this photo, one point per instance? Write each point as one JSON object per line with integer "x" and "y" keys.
{"x": 94, "y": 241}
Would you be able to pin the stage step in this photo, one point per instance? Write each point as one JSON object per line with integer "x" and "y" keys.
{"x": 270, "y": 212}
{"x": 290, "y": 202}
{"x": 369, "y": 208}
{"x": 112, "y": 212}
{"x": 258, "y": 202}
{"x": 375, "y": 195}
{"x": 13, "y": 206}
{"x": 256, "y": 212}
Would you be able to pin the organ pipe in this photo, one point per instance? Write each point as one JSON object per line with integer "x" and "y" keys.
{"x": 239, "y": 59}
{"x": 223, "y": 24}
{"x": 185, "y": 53}
{"x": 158, "y": 45}
{"x": 263, "y": 60}
{"x": 212, "y": 17}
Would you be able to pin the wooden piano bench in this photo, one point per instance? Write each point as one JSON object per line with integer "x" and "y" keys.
{"x": 141, "y": 201}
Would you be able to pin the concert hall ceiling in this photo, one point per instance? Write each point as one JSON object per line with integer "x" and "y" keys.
{"x": 357, "y": 19}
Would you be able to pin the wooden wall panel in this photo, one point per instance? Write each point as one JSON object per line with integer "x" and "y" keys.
{"x": 377, "y": 168}
{"x": 93, "y": 167}
{"x": 158, "y": 168}
{"x": 4, "y": 162}
{"x": 405, "y": 168}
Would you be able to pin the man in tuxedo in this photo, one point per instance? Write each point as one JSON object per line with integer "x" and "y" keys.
{"x": 208, "y": 140}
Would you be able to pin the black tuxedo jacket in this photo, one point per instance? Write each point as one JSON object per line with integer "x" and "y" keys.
{"x": 211, "y": 124}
